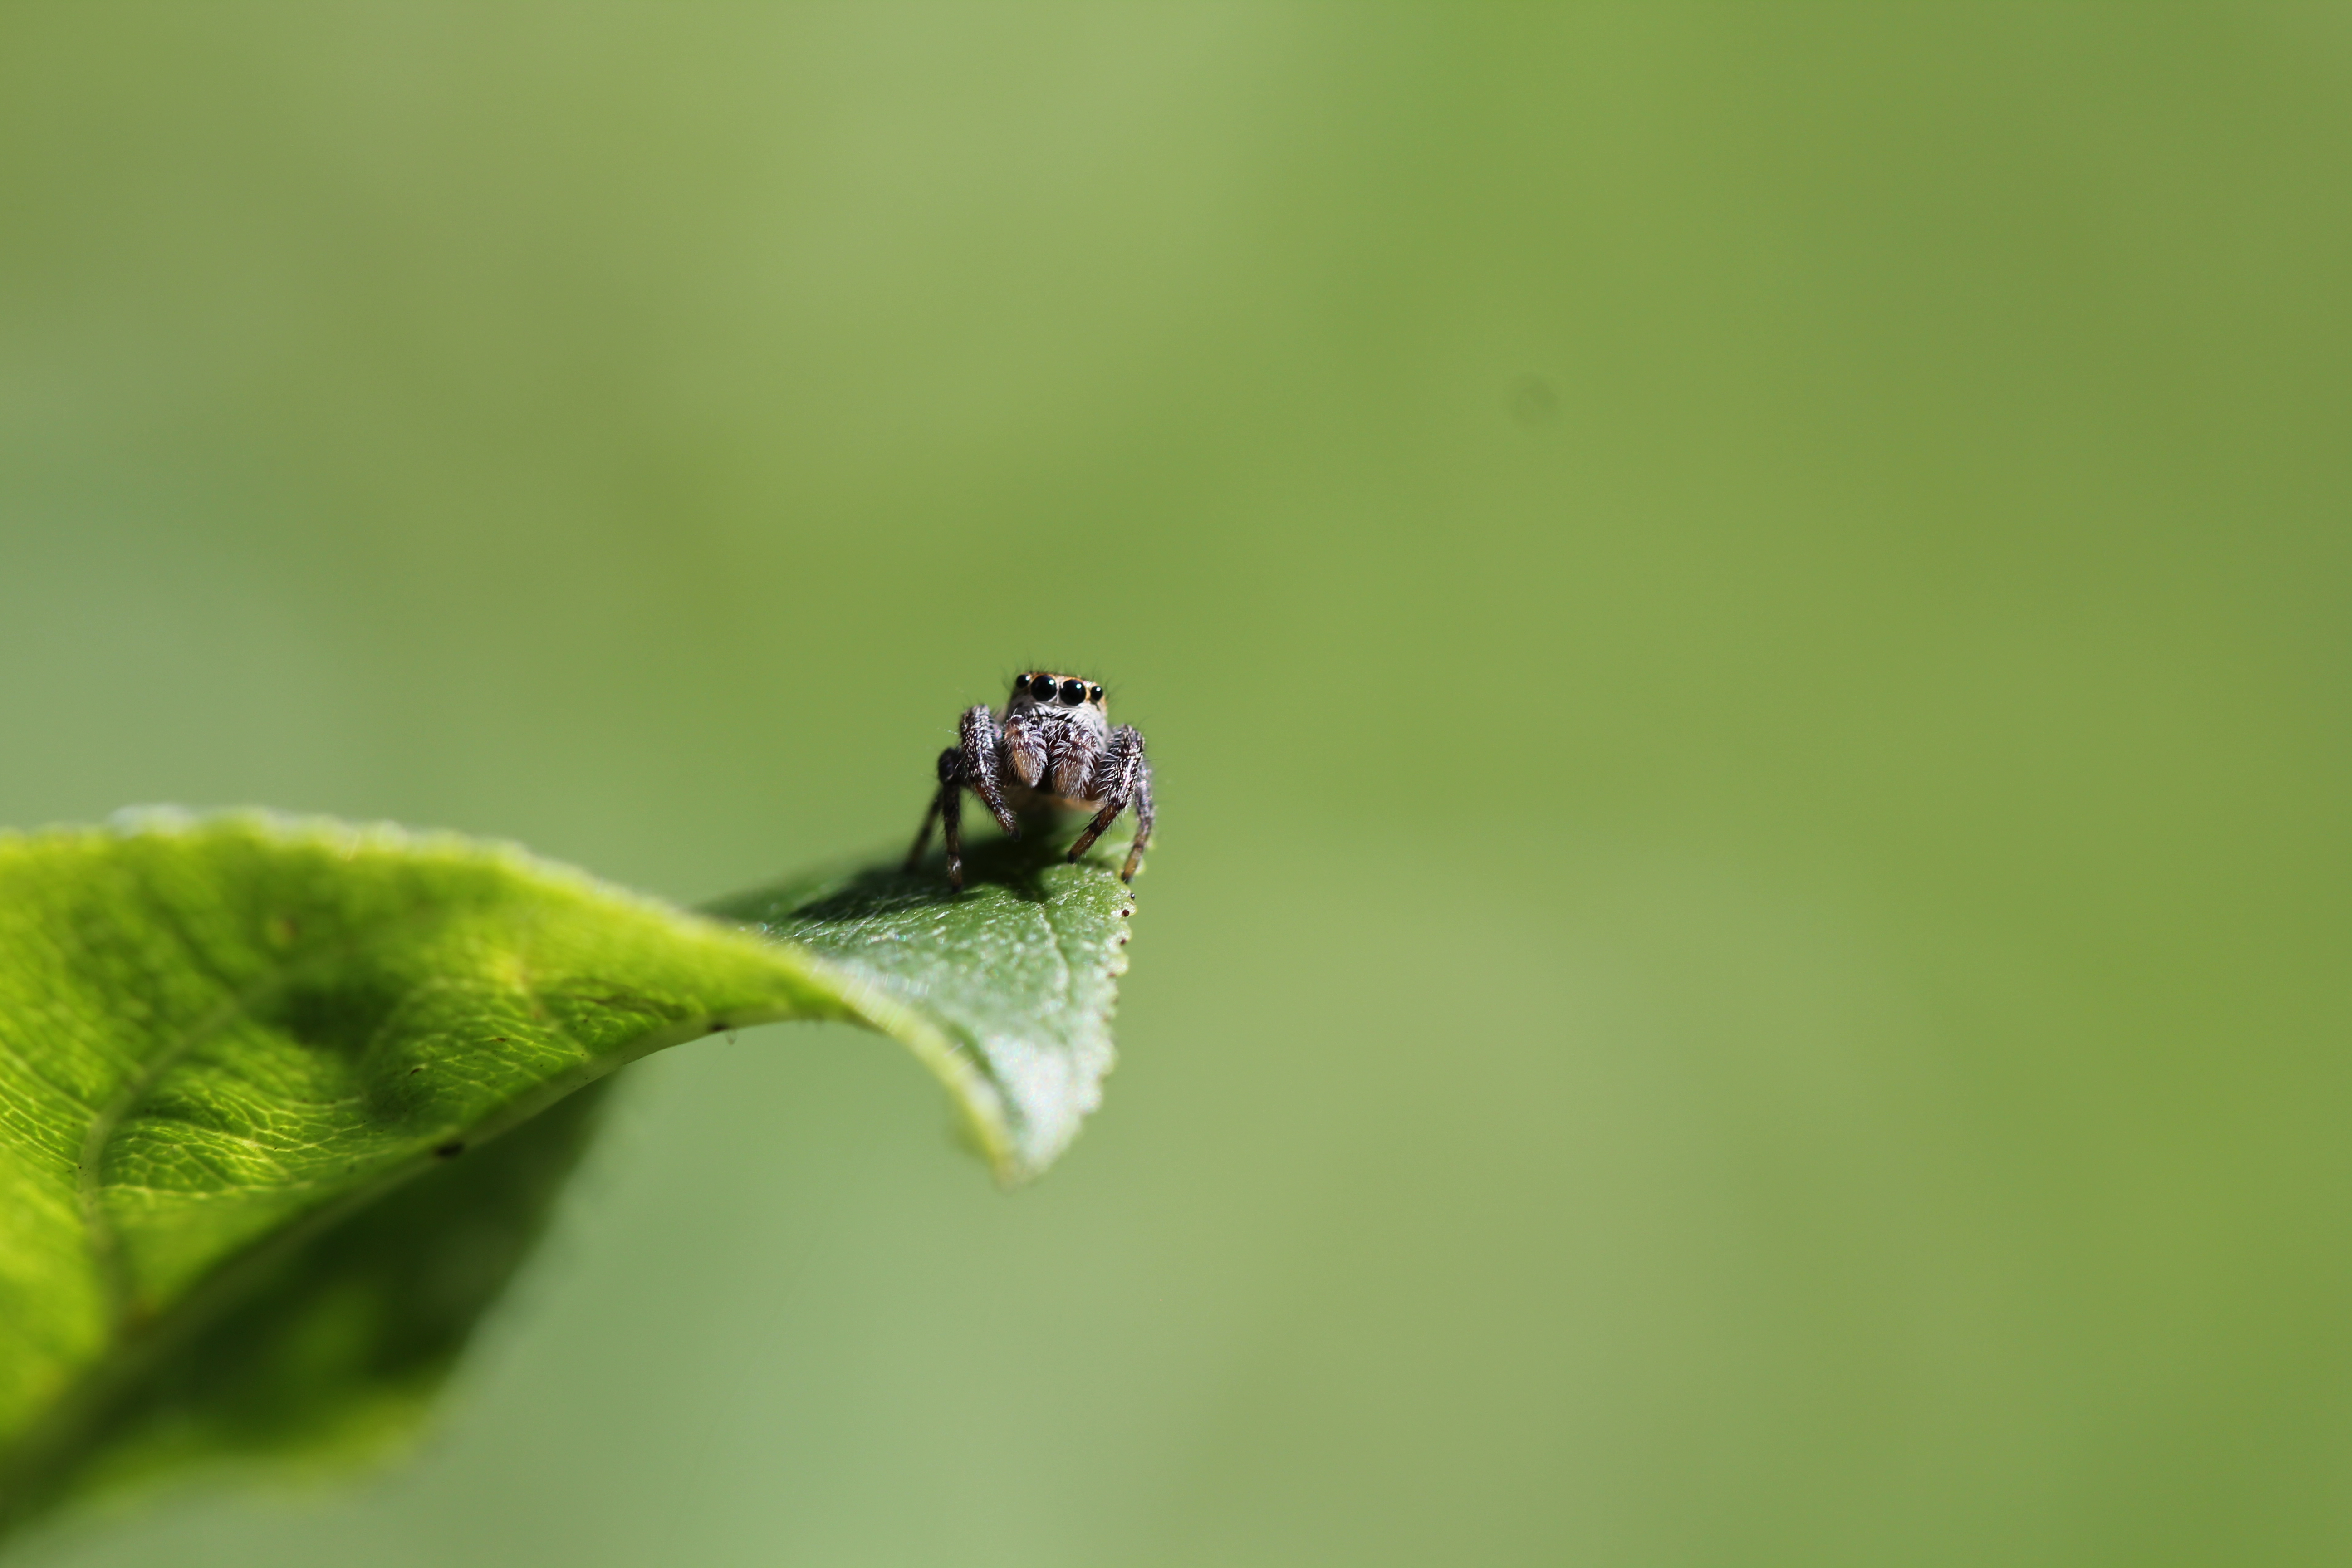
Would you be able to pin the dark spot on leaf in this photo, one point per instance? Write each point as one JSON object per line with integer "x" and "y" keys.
{"x": 451, "y": 1150}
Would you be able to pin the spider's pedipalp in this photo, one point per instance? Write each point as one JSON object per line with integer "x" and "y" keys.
{"x": 1024, "y": 752}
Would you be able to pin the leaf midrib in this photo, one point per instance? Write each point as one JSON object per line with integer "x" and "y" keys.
{"x": 103, "y": 1238}
{"x": 132, "y": 1346}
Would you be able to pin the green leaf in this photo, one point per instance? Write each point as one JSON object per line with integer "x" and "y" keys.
{"x": 1020, "y": 974}
{"x": 283, "y": 1105}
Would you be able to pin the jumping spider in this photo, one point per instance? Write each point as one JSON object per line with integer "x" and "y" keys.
{"x": 1054, "y": 746}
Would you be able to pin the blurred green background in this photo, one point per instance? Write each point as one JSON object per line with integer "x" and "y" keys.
{"x": 1743, "y": 616}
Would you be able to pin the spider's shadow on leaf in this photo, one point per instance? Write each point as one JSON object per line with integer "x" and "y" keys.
{"x": 992, "y": 863}
{"x": 1015, "y": 864}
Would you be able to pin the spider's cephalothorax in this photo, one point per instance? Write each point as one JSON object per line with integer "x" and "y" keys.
{"x": 1053, "y": 746}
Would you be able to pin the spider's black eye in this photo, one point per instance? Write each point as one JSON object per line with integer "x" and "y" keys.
{"x": 1074, "y": 692}
{"x": 1094, "y": 693}
{"x": 1041, "y": 688}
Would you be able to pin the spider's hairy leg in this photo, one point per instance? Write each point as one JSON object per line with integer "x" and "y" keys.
{"x": 950, "y": 761}
{"x": 1142, "y": 818}
{"x": 951, "y": 827}
{"x": 982, "y": 746}
{"x": 1129, "y": 779}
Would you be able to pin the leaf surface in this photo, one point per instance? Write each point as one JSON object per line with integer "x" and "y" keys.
{"x": 255, "y": 1076}
{"x": 1020, "y": 974}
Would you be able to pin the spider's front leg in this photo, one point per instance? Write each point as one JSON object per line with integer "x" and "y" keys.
{"x": 983, "y": 753}
{"x": 972, "y": 762}
{"x": 1130, "y": 775}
